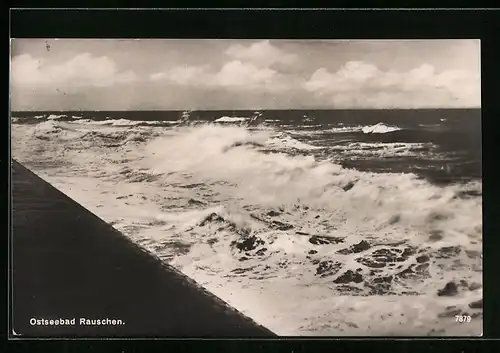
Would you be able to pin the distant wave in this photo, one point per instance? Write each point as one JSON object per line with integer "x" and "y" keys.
{"x": 228, "y": 119}
{"x": 344, "y": 129}
{"x": 379, "y": 128}
{"x": 284, "y": 140}
{"x": 120, "y": 122}
{"x": 78, "y": 119}
{"x": 60, "y": 117}
{"x": 66, "y": 131}
{"x": 379, "y": 149}
{"x": 55, "y": 117}
{"x": 51, "y": 129}
{"x": 124, "y": 122}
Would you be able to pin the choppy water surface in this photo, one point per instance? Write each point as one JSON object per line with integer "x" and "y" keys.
{"x": 312, "y": 223}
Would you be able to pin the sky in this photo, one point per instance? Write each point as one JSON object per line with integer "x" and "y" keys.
{"x": 177, "y": 74}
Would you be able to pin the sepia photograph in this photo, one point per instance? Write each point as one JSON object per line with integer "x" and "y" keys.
{"x": 246, "y": 188}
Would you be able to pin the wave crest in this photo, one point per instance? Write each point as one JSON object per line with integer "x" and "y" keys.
{"x": 379, "y": 128}
{"x": 365, "y": 200}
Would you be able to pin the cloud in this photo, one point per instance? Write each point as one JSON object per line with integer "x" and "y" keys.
{"x": 248, "y": 69}
{"x": 244, "y": 75}
{"x": 360, "y": 84}
{"x": 232, "y": 75}
{"x": 262, "y": 54}
{"x": 356, "y": 84}
{"x": 267, "y": 73}
{"x": 80, "y": 71}
{"x": 183, "y": 75}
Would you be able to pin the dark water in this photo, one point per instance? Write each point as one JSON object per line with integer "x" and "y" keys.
{"x": 442, "y": 145}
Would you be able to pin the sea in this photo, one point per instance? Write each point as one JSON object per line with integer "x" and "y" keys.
{"x": 312, "y": 222}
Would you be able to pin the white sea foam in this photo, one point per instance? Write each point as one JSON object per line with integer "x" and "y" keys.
{"x": 55, "y": 117}
{"x": 229, "y": 119}
{"x": 46, "y": 127}
{"x": 283, "y": 140}
{"x": 343, "y": 129}
{"x": 379, "y": 128}
{"x": 118, "y": 122}
{"x": 208, "y": 188}
{"x": 379, "y": 149}
{"x": 50, "y": 129}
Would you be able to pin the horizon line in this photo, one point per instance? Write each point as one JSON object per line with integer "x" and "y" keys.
{"x": 237, "y": 109}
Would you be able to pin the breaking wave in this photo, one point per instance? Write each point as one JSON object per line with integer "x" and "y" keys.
{"x": 230, "y": 154}
{"x": 235, "y": 211}
{"x": 228, "y": 119}
{"x": 379, "y": 128}
{"x": 55, "y": 117}
{"x": 65, "y": 131}
{"x": 121, "y": 122}
{"x": 387, "y": 149}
